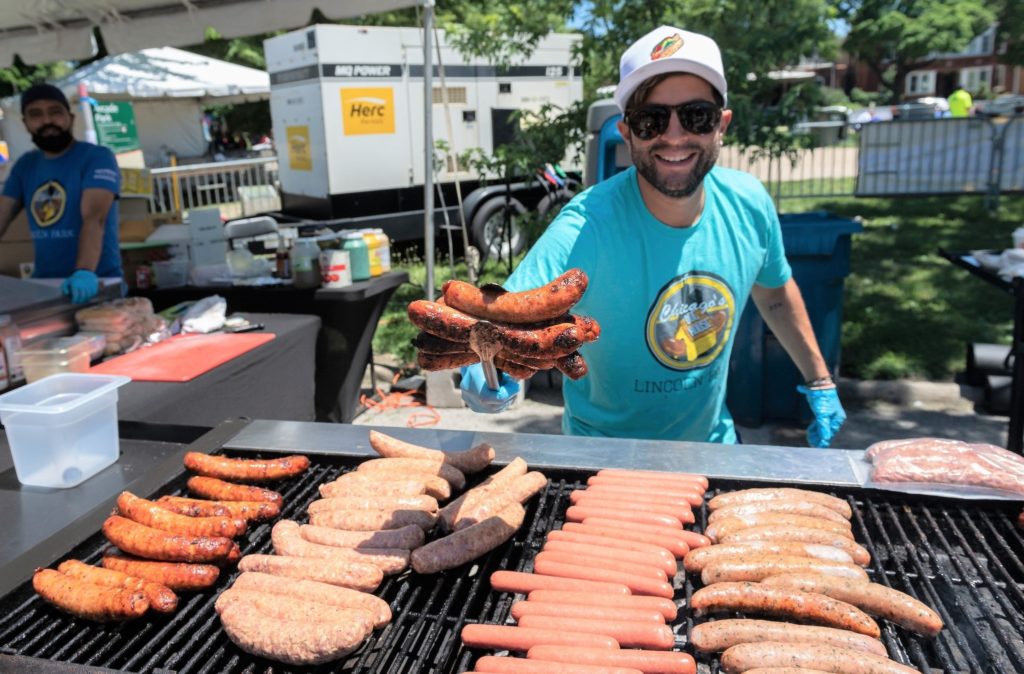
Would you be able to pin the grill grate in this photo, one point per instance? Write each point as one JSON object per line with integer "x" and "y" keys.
{"x": 963, "y": 559}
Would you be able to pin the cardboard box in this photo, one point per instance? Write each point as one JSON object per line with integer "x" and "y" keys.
{"x": 16, "y": 246}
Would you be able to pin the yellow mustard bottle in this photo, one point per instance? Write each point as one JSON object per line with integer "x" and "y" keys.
{"x": 373, "y": 246}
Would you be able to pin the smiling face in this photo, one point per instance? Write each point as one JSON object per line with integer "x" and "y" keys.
{"x": 675, "y": 162}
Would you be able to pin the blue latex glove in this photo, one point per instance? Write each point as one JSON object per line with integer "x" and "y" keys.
{"x": 482, "y": 399}
{"x": 81, "y": 286}
{"x": 829, "y": 415}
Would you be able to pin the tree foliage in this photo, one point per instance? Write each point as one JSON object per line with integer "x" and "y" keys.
{"x": 891, "y": 36}
{"x": 1011, "y": 30}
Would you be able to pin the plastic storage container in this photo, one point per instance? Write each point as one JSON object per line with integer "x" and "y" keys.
{"x": 170, "y": 273}
{"x": 305, "y": 259}
{"x": 762, "y": 377}
{"x": 62, "y": 430}
{"x": 54, "y": 356}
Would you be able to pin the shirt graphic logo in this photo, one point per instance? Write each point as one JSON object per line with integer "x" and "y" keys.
{"x": 690, "y": 321}
{"x": 48, "y": 203}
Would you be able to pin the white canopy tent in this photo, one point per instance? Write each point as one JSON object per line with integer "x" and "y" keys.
{"x": 168, "y": 89}
{"x": 49, "y": 30}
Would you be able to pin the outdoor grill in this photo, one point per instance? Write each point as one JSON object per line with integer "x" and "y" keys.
{"x": 962, "y": 558}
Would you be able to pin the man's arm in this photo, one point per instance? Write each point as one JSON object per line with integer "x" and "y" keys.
{"x": 9, "y": 207}
{"x": 96, "y": 203}
{"x": 784, "y": 312}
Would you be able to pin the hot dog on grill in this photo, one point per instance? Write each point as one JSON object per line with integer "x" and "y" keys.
{"x": 529, "y": 306}
{"x": 649, "y": 662}
{"x": 522, "y": 583}
{"x": 219, "y": 490}
{"x": 88, "y": 600}
{"x": 629, "y": 634}
{"x": 149, "y": 543}
{"x": 666, "y": 607}
{"x": 246, "y": 470}
{"x": 493, "y": 664}
{"x": 505, "y": 637}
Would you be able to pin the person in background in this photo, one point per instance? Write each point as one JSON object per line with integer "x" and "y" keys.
{"x": 69, "y": 191}
{"x": 673, "y": 247}
{"x": 960, "y": 102}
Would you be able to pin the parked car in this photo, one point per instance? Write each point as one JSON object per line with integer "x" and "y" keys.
{"x": 929, "y": 107}
{"x": 1003, "y": 106}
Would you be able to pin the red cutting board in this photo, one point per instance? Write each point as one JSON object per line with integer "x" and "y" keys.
{"x": 182, "y": 357}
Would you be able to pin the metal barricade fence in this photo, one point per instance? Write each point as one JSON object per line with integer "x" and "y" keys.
{"x": 239, "y": 187}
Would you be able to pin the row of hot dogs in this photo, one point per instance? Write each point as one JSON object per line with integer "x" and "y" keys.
{"x": 522, "y": 332}
{"x": 599, "y": 599}
{"x": 368, "y": 524}
{"x": 171, "y": 545}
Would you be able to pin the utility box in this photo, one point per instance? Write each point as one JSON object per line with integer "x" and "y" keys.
{"x": 762, "y": 377}
{"x": 347, "y": 105}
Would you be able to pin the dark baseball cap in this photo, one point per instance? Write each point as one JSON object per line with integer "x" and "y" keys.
{"x": 43, "y": 92}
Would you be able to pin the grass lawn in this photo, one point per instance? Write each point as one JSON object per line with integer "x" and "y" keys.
{"x": 908, "y": 313}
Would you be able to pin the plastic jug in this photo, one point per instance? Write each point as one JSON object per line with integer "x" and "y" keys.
{"x": 305, "y": 257}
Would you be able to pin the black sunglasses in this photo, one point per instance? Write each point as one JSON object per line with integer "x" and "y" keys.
{"x": 697, "y": 117}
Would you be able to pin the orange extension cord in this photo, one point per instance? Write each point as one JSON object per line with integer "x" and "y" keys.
{"x": 398, "y": 399}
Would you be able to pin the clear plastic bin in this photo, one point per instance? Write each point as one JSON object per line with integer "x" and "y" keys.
{"x": 62, "y": 430}
{"x": 170, "y": 273}
{"x": 56, "y": 355}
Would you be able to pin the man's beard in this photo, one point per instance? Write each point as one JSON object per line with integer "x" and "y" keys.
{"x": 54, "y": 143}
{"x": 645, "y": 166}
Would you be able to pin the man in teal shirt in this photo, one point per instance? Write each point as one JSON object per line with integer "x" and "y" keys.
{"x": 673, "y": 247}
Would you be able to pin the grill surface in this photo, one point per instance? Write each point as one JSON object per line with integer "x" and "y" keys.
{"x": 963, "y": 559}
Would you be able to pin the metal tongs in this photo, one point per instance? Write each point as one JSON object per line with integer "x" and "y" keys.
{"x": 483, "y": 340}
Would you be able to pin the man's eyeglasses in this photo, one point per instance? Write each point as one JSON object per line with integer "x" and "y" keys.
{"x": 697, "y": 117}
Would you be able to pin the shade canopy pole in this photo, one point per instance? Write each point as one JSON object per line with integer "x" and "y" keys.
{"x": 428, "y": 144}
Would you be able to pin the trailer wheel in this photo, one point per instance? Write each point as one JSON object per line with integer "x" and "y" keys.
{"x": 488, "y": 229}
{"x": 550, "y": 205}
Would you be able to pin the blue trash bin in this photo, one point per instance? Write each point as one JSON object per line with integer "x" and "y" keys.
{"x": 762, "y": 378}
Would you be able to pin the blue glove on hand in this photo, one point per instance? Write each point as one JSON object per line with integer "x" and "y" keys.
{"x": 829, "y": 414}
{"x": 482, "y": 399}
{"x": 81, "y": 286}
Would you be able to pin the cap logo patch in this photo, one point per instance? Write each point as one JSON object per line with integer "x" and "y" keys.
{"x": 668, "y": 46}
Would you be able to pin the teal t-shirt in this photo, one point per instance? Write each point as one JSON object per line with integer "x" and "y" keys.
{"x": 668, "y": 301}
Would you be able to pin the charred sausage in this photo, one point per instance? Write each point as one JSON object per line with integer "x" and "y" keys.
{"x": 428, "y": 343}
{"x": 528, "y": 306}
{"x": 152, "y": 515}
{"x": 150, "y": 543}
{"x": 219, "y": 490}
{"x": 179, "y": 576}
{"x": 440, "y": 320}
{"x": 434, "y": 362}
{"x": 160, "y": 597}
{"x": 572, "y": 366}
{"x": 84, "y": 599}
{"x": 251, "y": 511}
{"x": 246, "y": 470}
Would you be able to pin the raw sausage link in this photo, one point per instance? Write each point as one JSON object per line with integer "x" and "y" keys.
{"x": 715, "y": 637}
{"x": 466, "y": 545}
{"x": 701, "y": 557}
{"x": 369, "y": 520}
{"x": 408, "y": 537}
{"x": 572, "y": 366}
{"x": 757, "y": 567}
{"x": 522, "y": 583}
{"x": 362, "y": 577}
{"x": 729, "y": 525}
{"x": 357, "y": 620}
{"x": 527, "y": 306}
{"x": 440, "y": 320}
{"x": 472, "y": 460}
{"x": 649, "y": 662}
{"x": 783, "y": 603}
{"x": 775, "y": 493}
{"x": 366, "y": 484}
{"x": 313, "y": 590}
{"x": 179, "y": 576}
{"x": 160, "y": 597}
{"x": 505, "y": 637}
{"x": 667, "y": 565}
{"x": 150, "y": 543}
{"x": 492, "y": 664}
{"x": 781, "y": 506}
{"x": 776, "y": 532}
{"x": 246, "y": 470}
{"x": 428, "y": 343}
{"x": 573, "y": 611}
{"x": 292, "y": 642}
{"x": 448, "y": 473}
{"x": 288, "y": 542}
{"x": 251, "y": 511}
{"x": 520, "y": 490}
{"x": 629, "y": 634}
{"x": 636, "y": 584}
{"x": 434, "y": 362}
{"x": 664, "y": 606}
{"x": 88, "y": 600}
{"x": 219, "y": 490}
{"x": 744, "y": 657}
{"x": 421, "y": 502}
{"x": 153, "y": 515}
{"x": 872, "y": 598}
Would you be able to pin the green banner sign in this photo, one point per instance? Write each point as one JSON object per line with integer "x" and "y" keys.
{"x": 115, "y": 126}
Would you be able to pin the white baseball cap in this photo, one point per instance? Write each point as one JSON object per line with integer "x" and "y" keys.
{"x": 669, "y": 50}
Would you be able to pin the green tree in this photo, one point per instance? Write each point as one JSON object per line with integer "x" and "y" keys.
{"x": 21, "y": 76}
{"x": 1010, "y": 32}
{"x": 892, "y": 37}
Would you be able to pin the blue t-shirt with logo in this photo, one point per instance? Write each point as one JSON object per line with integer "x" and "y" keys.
{"x": 668, "y": 301}
{"x": 50, "y": 191}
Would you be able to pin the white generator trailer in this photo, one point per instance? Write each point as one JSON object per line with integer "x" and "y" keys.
{"x": 348, "y": 113}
